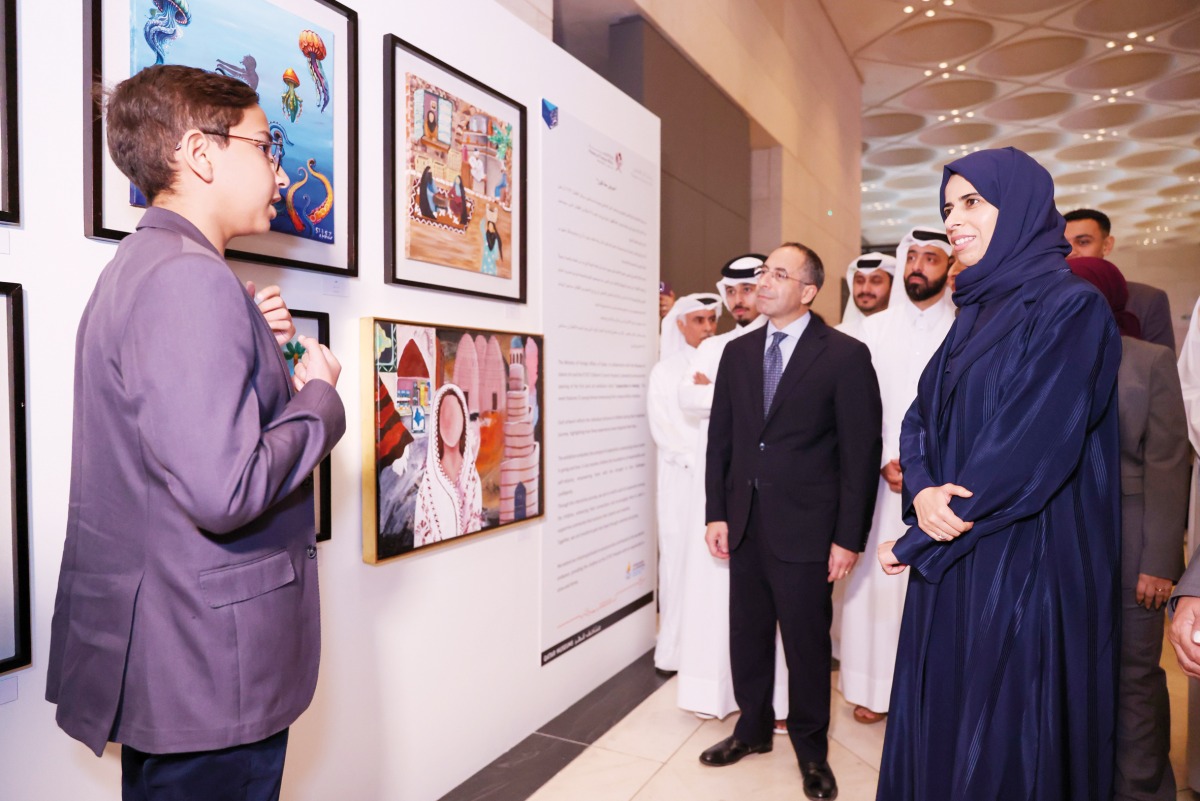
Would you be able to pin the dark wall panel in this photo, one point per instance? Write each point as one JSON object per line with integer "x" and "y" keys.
{"x": 705, "y": 154}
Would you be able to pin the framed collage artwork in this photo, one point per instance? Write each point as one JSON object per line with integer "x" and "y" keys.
{"x": 455, "y": 207}
{"x": 300, "y": 56}
{"x": 453, "y": 432}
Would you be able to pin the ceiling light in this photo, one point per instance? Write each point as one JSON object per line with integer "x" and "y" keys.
{"x": 1099, "y": 139}
{"x": 1112, "y": 100}
{"x": 1102, "y": 131}
{"x": 961, "y": 67}
{"x": 1129, "y": 93}
{"x": 1111, "y": 44}
{"x": 928, "y": 73}
{"x": 930, "y": 13}
{"x": 1112, "y": 91}
{"x": 1095, "y": 97}
{"x": 958, "y": 119}
{"x": 1087, "y": 136}
{"x": 1132, "y": 34}
{"x": 945, "y": 75}
{"x": 950, "y": 151}
{"x": 941, "y": 118}
{"x": 908, "y": 9}
{"x": 1149, "y": 38}
{"x": 1127, "y": 48}
{"x": 947, "y": 2}
{"x": 943, "y": 65}
{"x": 970, "y": 113}
{"x": 954, "y": 112}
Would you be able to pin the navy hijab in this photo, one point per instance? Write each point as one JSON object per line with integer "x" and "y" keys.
{"x": 1028, "y": 242}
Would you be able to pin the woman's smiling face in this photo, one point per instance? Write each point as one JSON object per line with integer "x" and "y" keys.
{"x": 970, "y": 220}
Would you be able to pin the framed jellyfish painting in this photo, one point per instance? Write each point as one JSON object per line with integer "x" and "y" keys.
{"x": 316, "y": 325}
{"x": 454, "y": 151}
{"x": 301, "y": 58}
{"x": 10, "y": 194}
{"x": 452, "y": 433}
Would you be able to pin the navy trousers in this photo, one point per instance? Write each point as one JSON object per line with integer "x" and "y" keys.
{"x": 251, "y": 772}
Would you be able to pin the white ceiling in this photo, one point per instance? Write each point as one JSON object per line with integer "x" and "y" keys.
{"x": 1102, "y": 92}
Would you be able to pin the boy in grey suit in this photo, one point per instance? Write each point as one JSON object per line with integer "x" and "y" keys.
{"x": 186, "y": 625}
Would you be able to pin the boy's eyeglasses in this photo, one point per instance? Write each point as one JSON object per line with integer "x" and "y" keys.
{"x": 272, "y": 151}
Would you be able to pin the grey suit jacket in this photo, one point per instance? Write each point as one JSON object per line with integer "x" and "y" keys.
{"x": 187, "y": 611}
{"x": 1155, "y": 462}
{"x": 1153, "y": 310}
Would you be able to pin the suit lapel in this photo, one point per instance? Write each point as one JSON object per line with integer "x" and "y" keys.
{"x": 808, "y": 347}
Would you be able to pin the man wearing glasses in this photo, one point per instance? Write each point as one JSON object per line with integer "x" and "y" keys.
{"x": 186, "y": 626}
{"x": 793, "y": 457}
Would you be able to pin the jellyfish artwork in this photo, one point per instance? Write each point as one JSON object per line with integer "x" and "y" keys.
{"x": 313, "y": 48}
{"x": 279, "y": 138}
{"x": 298, "y": 217}
{"x": 162, "y": 27}
{"x": 303, "y": 219}
{"x": 292, "y": 104}
{"x": 247, "y": 73}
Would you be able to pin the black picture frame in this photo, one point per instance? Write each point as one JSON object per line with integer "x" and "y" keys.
{"x": 309, "y": 323}
{"x": 10, "y": 164}
{"x": 266, "y": 248}
{"x": 20, "y": 654}
{"x": 399, "y": 268}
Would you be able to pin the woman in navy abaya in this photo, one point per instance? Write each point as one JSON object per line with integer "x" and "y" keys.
{"x": 1005, "y": 685}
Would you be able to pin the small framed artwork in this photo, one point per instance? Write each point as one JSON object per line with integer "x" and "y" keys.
{"x": 316, "y": 325}
{"x": 15, "y": 640}
{"x": 454, "y": 207}
{"x": 300, "y": 56}
{"x": 452, "y": 433}
{"x": 10, "y": 194}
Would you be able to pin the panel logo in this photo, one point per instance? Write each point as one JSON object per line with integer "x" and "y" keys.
{"x": 634, "y": 569}
{"x": 549, "y": 113}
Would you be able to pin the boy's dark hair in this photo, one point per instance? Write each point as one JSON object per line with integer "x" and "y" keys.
{"x": 149, "y": 112}
{"x": 1091, "y": 214}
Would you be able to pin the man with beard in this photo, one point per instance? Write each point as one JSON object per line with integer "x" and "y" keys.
{"x": 1089, "y": 233}
{"x": 705, "y": 683}
{"x": 691, "y": 320}
{"x": 901, "y": 339}
{"x": 870, "y": 280}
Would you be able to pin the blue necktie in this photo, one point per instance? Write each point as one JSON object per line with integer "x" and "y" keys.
{"x": 772, "y": 370}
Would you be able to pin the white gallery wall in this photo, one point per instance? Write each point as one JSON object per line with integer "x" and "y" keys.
{"x": 431, "y": 663}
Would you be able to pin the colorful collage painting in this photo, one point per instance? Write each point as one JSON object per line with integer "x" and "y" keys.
{"x": 459, "y": 191}
{"x": 456, "y": 444}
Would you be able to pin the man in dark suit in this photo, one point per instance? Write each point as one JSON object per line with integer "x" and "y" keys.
{"x": 793, "y": 458}
{"x": 1089, "y": 232}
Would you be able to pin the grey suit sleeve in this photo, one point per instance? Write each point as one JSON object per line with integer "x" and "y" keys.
{"x": 1167, "y": 456}
{"x": 1156, "y": 319}
{"x": 192, "y": 373}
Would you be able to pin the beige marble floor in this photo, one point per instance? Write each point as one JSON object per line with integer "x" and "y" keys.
{"x": 651, "y": 755}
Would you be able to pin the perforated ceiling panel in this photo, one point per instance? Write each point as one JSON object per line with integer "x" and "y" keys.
{"x": 1104, "y": 93}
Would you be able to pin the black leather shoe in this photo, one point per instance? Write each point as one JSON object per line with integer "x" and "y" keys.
{"x": 730, "y": 750}
{"x": 818, "y": 780}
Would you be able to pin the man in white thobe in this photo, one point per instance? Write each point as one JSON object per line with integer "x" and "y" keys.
{"x": 902, "y": 340}
{"x": 705, "y": 680}
{"x": 691, "y": 320}
{"x": 870, "y": 278}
